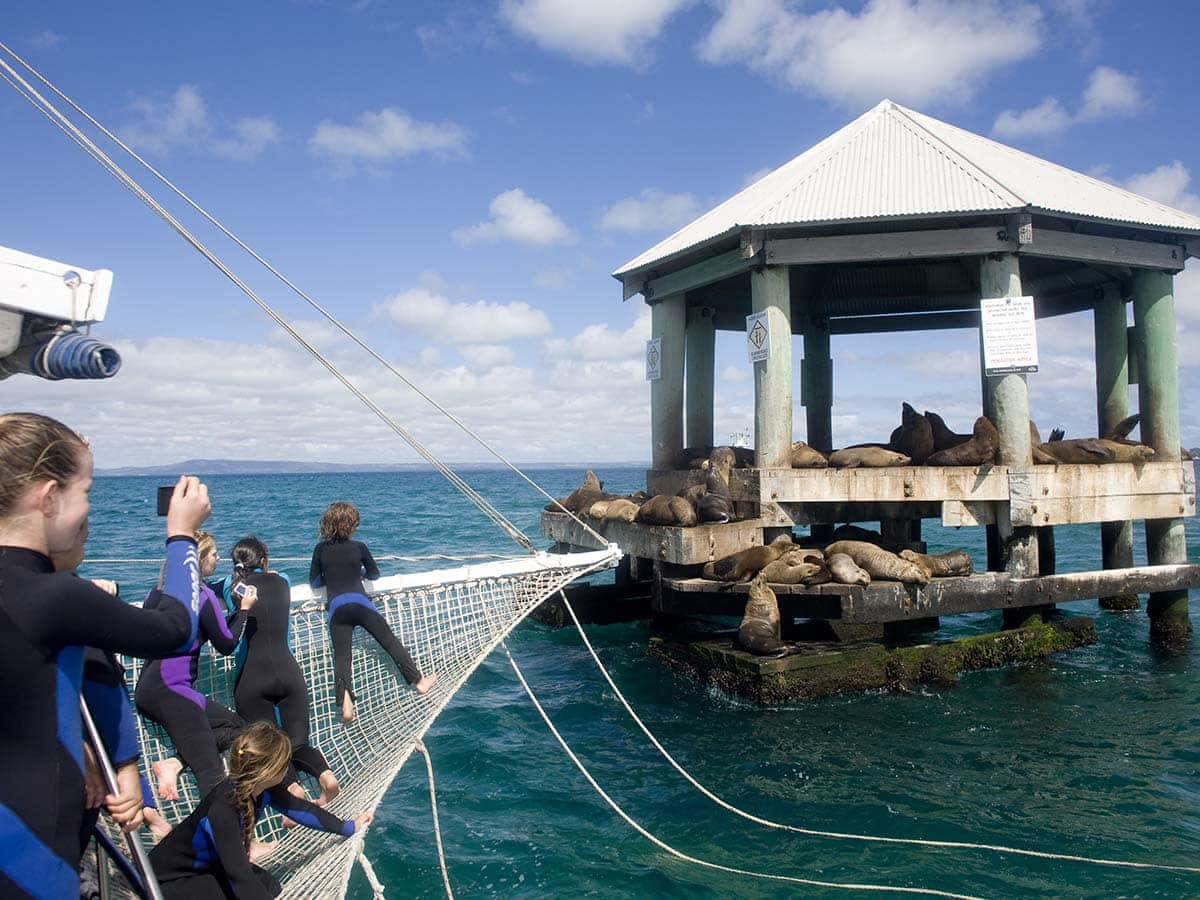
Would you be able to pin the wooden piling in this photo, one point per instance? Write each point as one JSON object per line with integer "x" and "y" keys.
{"x": 668, "y": 323}
{"x": 770, "y": 293}
{"x": 700, "y": 351}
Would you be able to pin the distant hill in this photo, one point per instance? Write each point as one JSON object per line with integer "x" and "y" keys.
{"x": 286, "y": 467}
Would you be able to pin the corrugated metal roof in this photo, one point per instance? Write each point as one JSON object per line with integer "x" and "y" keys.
{"x": 892, "y": 162}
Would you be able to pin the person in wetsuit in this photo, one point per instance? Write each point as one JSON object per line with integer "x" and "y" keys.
{"x": 339, "y": 564}
{"x": 47, "y": 618}
{"x": 270, "y": 679}
{"x": 199, "y": 727}
{"x": 208, "y": 853}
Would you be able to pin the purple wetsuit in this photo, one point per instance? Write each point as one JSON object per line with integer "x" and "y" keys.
{"x": 199, "y": 728}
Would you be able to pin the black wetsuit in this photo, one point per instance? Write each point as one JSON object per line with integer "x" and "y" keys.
{"x": 46, "y": 620}
{"x": 270, "y": 677}
{"x": 340, "y": 566}
{"x": 204, "y": 857}
{"x": 199, "y": 727}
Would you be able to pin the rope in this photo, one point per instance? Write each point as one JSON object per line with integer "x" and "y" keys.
{"x": 848, "y": 886}
{"x": 918, "y": 842}
{"x": 437, "y": 828}
{"x": 333, "y": 320}
{"x": 369, "y": 872}
{"x": 387, "y": 557}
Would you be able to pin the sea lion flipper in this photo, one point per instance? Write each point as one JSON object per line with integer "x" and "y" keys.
{"x": 1122, "y": 428}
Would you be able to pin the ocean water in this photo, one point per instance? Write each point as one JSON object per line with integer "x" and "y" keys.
{"x": 1095, "y": 752}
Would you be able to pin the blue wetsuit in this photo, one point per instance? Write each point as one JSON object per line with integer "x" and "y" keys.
{"x": 204, "y": 856}
{"x": 199, "y": 727}
{"x": 46, "y": 621}
{"x": 340, "y": 566}
{"x": 270, "y": 677}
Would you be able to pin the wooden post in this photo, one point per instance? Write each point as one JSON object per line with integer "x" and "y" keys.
{"x": 769, "y": 293}
{"x": 701, "y": 345}
{"x": 1000, "y": 276}
{"x": 1158, "y": 402}
{"x": 991, "y": 532}
{"x": 667, "y": 322}
{"x": 1112, "y": 405}
{"x": 816, "y": 379}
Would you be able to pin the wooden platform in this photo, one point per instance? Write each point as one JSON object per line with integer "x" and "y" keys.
{"x": 680, "y": 546}
{"x": 890, "y": 601}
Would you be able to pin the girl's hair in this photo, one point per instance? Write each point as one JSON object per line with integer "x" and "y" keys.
{"x": 204, "y": 543}
{"x": 256, "y": 755}
{"x": 35, "y": 448}
{"x": 339, "y": 521}
{"x": 248, "y": 555}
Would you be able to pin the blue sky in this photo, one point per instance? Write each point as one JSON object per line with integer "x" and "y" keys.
{"x": 458, "y": 180}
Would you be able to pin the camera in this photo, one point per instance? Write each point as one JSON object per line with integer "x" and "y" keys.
{"x": 239, "y": 590}
{"x": 164, "y": 499}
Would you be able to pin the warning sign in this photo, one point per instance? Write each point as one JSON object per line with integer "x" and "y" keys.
{"x": 654, "y": 359}
{"x": 1009, "y": 335}
{"x": 758, "y": 337}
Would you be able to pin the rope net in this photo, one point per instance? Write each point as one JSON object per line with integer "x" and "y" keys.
{"x": 450, "y": 620}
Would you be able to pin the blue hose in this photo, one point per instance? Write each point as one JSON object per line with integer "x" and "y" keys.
{"x": 75, "y": 355}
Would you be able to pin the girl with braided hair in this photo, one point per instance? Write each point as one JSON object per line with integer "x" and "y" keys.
{"x": 208, "y": 853}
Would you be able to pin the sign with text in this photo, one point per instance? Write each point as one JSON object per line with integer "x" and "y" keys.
{"x": 654, "y": 359}
{"x": 1009, "y": 335}
{"x": 758, "y": 337}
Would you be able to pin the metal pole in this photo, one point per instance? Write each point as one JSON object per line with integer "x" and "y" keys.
{"x": 149, "y": 882}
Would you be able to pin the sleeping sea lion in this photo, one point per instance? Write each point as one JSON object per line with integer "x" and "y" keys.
{"x": 805, "y": 457}
{"x": 858, "y": 533}
{"x": 745, "y": 564}
{"x": 941, "y": 565}
{"x": 915, "y": 439}
{"x": 978, "y": 451}
{"x": 759, "y": 631}
{"x": 619, "y": 510}
{"x": 784, "y": 571}
{"x": 1126, "y": 451}
{"x": 1081, "y": 451}
{"x": 943, "y": 437}
{"x": 845, "y": 570}
{"x": 868, "y": 458}
{"x": 715, "y": 504}
{"x": 663, "y": 509}
{"x": 598, "y": 509}
{"x": 879, "y": 563}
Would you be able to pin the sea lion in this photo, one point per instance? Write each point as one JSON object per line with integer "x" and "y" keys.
{"x": 978, "y": 451}
{"x": 715, "y": 504}
{"x": 858, "y": 533}
{"x": 943, "y": 437}
{"x": 868, "y": 458}
{"x": 663, "y": 509}
{"x": 1081, "y": 451}
{"x": 723, "y": 459}
{"x": 942, "y": 565}
{"x": 583, "y": 496}
{"x": 1126, "y": 451}
{"x": 745, "y": 564}
{"x": 845, "y": 570}
{"x": 692, "y": 457}
{"x": 759, "y": 631}
{"x": 879, "y": 563}
{"x": 792, "y": 570}
{"x": 915, "y": 439}
{"x": 693, "y": 494}
{"x": 598, "y": 509}
{"x": 619, "y": 510}
{"x": 1121, "y": 430}
{"x": 805, "y": 457}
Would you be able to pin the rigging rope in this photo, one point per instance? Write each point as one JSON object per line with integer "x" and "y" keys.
{"x": 387, "y": 557}
{"x": 437, "y": 828}
{"x": 333, "y": 320}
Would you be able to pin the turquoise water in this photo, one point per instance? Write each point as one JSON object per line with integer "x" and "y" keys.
{"x": 1096, "y": 752}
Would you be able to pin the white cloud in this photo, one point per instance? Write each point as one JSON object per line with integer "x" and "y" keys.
{"x": 46, "y": 39}
{"x": 517, "y": 217}
{"x": 430, "y": 356}
{"x": 482, "y": 357}
{"x": 735, "y": 374}
{"x": 600, "y": 342}
{"x": 1109, "y": 94}
{"x": 381, "y": 137}
{"x": 1167, "y": 184}
{"x": 592, "y": 31}
{"x": 652, "y": 210}
{"x": 184, "y": 122}
{"x": 552, "y": 278}
{"x": 914, "y": 51}
{"x": 447, "y": 322}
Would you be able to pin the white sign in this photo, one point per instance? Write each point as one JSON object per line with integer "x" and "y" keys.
{"x": 1009, "y": 335}
{"x": 654, "y": 359}
{"x": 758, "y": 337}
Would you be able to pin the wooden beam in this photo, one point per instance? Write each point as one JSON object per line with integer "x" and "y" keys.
{"x": 708, "y": 271}
{"x": 1093, "y": 248}
{"x": 678, "y": 546}
{"x": 968, "y": 318}
{"x": 889, "y": 246}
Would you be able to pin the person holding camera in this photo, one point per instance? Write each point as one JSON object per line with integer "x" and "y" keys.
{"x": 47, "y": 619}
{"x": 199, "y": 727}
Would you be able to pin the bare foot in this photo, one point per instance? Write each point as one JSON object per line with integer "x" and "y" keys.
{"x": 155, "y": 822}
{"x": 347, "y": 708}
{"x": 166, "y": 776}
{"x": 329, "y": 787}
{"x": 423, "y": 686}
{"x": 260, "y": 850}
{"x": 297, "y": 790}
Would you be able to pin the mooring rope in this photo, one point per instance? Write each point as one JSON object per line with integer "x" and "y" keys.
{"x": 793, "y": 879}
{"x": 437, "y": 828}
{"x": 838, "y": 835}
{"x": 333, "y": 320}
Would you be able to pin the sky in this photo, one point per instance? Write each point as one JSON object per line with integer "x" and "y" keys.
{"x": 456, "y": 181}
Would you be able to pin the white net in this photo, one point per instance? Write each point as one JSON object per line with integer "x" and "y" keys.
{"x": 450, "y": 620}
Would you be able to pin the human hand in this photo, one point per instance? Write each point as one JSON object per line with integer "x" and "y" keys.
{"x": 249, "y": 596}
{"x": 361, "y": 821}
{"x": 107, "y": 585}
{"x": 189, "y": 507}
{"x": 125, "y": 806}
{"x": 93, "y": 781}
